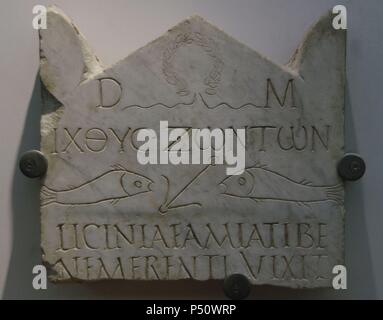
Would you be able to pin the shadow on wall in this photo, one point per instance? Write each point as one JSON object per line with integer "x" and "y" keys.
{"x": 26, "y": 246}
{"x": 361, "y": 282}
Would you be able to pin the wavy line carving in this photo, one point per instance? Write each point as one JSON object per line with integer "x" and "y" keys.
{"x": 160, "y": 104}
{"x": 225, "y": 104}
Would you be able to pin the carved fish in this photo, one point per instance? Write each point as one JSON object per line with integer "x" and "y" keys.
{"x": 120, "y": 183}
{"x": 261, "y": 184}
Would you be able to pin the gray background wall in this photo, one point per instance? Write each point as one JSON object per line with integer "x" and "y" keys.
{"x": 114, "y": 28}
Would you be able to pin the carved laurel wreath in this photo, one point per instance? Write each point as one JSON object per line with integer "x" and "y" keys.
{"x": 212, "y": 80}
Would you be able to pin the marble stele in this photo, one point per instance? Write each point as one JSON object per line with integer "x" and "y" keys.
{"x": 105, "y": 216}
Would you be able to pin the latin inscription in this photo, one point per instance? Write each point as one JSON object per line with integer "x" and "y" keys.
{"x": 174, "y": 241}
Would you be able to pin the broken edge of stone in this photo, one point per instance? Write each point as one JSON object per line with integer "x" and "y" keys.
{"x": 62, "y": 42}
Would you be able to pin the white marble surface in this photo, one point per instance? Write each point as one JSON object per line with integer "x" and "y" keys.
{"x": 105, "y": 216}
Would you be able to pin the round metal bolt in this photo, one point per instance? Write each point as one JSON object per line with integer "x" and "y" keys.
{"x": 33, "y": 164}
{"x": 237, "y": 287}
{"x": 352, "y": 167}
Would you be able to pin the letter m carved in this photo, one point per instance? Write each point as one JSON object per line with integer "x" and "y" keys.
{"x": 289, "y": 92}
